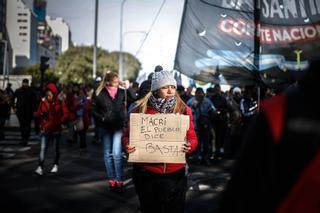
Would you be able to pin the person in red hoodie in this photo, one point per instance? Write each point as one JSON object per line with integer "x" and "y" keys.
{"x": 161, "y": 187}
{"x": 52, "y": 113}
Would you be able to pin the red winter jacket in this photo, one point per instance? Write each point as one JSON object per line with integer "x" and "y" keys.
{"x": 52, "y": 114}
{"x": 86, "y": 111}
{"x": 165, "y": 168}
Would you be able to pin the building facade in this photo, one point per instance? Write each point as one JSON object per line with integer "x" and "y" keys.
{"x": 61, "y": 28}
{"x": 22, "y": 32}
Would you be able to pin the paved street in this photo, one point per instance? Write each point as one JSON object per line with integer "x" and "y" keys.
{"x": 80, "y": 185}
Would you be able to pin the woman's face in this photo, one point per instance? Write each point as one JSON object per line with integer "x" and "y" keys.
{"x": 49, "y": 95}
{"x": 114, "y": 82}
{"x": 167, "y": 91}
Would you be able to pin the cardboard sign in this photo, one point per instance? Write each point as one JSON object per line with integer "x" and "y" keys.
{"x": 158, "y": 138}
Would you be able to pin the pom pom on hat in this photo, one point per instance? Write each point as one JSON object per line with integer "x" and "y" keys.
{"x": 162, "y": 78}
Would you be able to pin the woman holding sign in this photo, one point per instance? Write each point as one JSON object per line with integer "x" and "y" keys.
{"x": 161, "y": 187}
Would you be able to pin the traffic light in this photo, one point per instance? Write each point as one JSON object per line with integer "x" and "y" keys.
{"x": 43, "y": 63}
{"x": 43, "y": 67}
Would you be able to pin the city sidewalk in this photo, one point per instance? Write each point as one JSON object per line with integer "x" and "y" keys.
{"x": 81, "y": 186}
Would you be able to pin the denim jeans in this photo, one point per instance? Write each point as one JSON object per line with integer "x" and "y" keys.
{"x": 47, "y": 138}
{"x": 112, "y": 151}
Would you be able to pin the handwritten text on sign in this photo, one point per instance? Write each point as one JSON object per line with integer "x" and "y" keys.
{"x": 158, "y": 137}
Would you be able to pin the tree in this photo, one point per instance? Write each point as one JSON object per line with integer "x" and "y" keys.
{"x": 75, "y": 65}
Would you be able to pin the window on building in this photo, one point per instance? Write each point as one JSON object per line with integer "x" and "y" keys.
{"x": 22, "y": 20}
{"x": 22, "y": 34}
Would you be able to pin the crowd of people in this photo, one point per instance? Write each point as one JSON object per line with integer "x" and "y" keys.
{"x": 218, "y": 117}
{"x": 218, "y": 121}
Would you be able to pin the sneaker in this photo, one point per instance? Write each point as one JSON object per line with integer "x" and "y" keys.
{"x": 112, "y": 184}
{"x": 54, "y": 168}
{"x": 39, "y": 170}
{"x": 119, "y": 184}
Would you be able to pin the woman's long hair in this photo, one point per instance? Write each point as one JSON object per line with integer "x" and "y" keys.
{"x": 108, "y": 77}
{"x": 142, "y": 104}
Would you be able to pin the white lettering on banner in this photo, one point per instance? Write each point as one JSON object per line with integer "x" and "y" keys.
{"x": 284, "y": 9}
{"x": 269, "y": 35}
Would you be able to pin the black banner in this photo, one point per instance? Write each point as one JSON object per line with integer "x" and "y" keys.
{"x": 217, "y": 42}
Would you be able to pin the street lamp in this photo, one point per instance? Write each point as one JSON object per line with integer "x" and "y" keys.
{"x": 121, "y": 73}
{"x": 94, "y": 69}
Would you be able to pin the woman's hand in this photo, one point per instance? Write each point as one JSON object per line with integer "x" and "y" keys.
{"x": 129, "y": 149}
{"x": 186, "y": 147}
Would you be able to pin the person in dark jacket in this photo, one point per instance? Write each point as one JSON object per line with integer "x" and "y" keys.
{"x": 84, "y": 117}
{"x": 108, "y": 109}
{"x": 278, "y": 170}
{"x": 161, "y": 187}
{"x": 24, "y": 105}
{"x": 4, "y": 107}
{"x": 52, "y": 113}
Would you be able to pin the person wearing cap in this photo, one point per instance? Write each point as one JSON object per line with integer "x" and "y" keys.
{"x": 161, "y": 187}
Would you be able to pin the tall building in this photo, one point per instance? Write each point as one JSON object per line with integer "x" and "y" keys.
{"x": 5, "y": 47}
{"x": 61, "y": 28}
{"x": 22, "y": 32}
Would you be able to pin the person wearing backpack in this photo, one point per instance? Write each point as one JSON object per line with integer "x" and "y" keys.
{"x": 279, "y": 167}
{"x": 108, "y": 109}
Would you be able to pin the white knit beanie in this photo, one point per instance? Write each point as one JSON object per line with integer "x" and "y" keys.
{"x": 162, "y": 78}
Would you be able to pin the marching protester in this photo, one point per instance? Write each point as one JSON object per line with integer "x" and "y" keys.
{"x": 83, "y": 120}
{"x": 108, "y": 109}
{"x": 52, "y": 113}
{"x": 161, "y": 187}
{"x": 221, "y": 121}
{"x": 233, "y": 143}
{"x": 9, "y": 93}
{"x": 278, "y": 170}
{"x": 4, "y": 108}
{"x": 248, "y": 105}
{"x": 203, "y": 112}
{"x": 24, "y": 105}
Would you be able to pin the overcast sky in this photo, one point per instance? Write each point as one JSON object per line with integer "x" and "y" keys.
{"x": 161, "y": 43}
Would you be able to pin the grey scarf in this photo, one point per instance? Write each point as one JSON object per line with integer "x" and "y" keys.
{"x": 163, "y": 105}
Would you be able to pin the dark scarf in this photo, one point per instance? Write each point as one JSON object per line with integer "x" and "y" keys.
{"x": 163, "y": 105}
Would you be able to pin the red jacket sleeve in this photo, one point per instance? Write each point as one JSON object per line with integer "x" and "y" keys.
{"x": 86, "y": 113}
{"x": 65, "y": 112}
{"x": 191, "y": 134}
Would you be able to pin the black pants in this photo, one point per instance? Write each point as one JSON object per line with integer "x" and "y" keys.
{"x": 2, "y": 124}
{"x": 163, "y": 193}
{"x": 220, "y": 129}
{"x": 25, "y": 119}
{"x": 82, "y": 137}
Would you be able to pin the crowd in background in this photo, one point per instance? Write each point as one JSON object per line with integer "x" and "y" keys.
{"x": 219, "y": 116}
